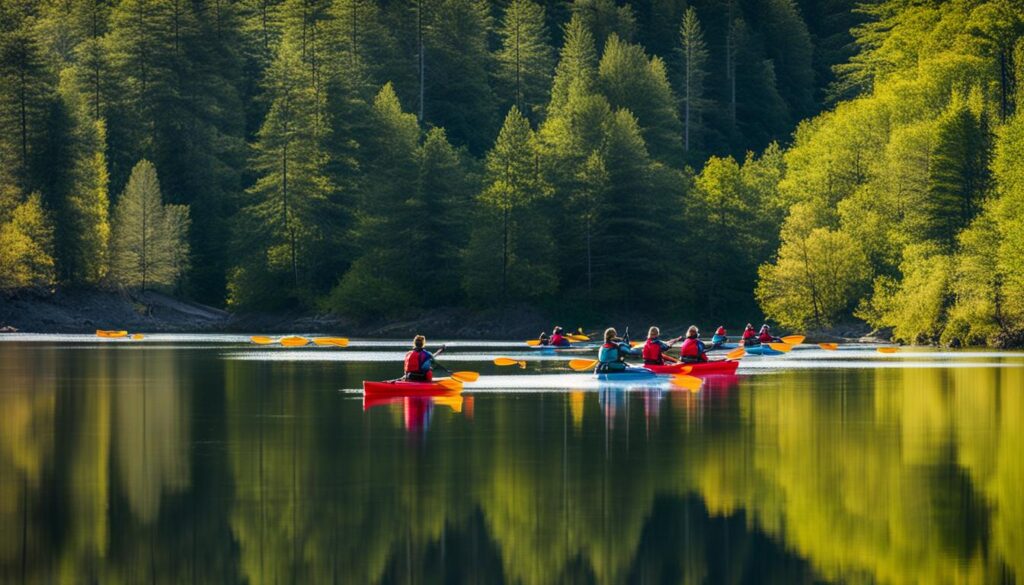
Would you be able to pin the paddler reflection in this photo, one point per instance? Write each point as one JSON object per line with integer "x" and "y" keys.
{"x": 417, "y": 411}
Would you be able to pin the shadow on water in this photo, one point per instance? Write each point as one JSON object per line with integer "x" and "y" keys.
{"x": 170, "y": 465}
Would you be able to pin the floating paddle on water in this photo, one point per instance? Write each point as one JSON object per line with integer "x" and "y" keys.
{"x": 582, "y": 365}
{"x": 887, "y": 349}
{"x": 829, "y": 346}
{"x": 736, "y": 354}
{"x": 793, "y": 339}
{"x": 294, "y": 341}
{"x": 783, "y": 347}
{"x": 504, "y": 361}
{"x": 332, "y": 341}
{"x": 261, "y": 340}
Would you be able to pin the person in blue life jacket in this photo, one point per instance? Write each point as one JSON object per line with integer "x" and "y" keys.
{"x": 612, "y": 355}
{"x": 719, "y": 338}
{"x": 419, "y": 363}
{"x": 558, "y": 338}
{"x": 692, "y": 350}
{"x": 654, "y": 347}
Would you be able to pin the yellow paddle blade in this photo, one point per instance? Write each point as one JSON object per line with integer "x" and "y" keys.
{"x": 736, "y": 354}
{"x": 685, "y": 370}
{"x": 793, "y": 339}
{"x": 111, "y": 334}
{"x": 687, "y": 382}
{"x": 333, "y": 341}
{"x": 466, "y": 376}
{"x": 829, "y": 346}
{"x": 454, "y": 401}
{"x": 261, "y": 340}
{"x": 635, "y": 344}
{"x": 575, "y": 337}
{"x": 582, "y": 365}
{"x": 137, "y": 336}
{"x": 887, "y": 349}
{"x": 783, "y": 347}
{"x": 450, "y": 384}
{"x": 504, "y": 361}
{"x": 533, "y": 342}
{"x": 294, "y": 341}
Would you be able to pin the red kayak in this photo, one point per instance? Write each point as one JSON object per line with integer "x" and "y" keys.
{"x": 714, "y": 368}
{"x": 404, "y": 388}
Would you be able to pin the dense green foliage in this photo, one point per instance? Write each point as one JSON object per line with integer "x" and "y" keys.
{"x": 350, "y": 155}
{"x": 918, "y": 177}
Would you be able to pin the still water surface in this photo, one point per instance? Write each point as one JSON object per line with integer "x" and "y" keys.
{"x": 201, "y": 459}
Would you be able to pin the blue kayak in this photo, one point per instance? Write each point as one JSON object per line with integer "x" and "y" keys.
{"x": 723, "y": 347}
{"x": 762, "y": 350}
{"x": 627, "y": 375}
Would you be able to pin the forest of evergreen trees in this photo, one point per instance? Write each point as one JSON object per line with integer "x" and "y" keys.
{"x": 377, "y": 157}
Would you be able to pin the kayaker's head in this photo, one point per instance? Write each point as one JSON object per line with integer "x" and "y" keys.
{"x": 557, "y": 330}
{"x": 653, "y": 333}
{"x": 749, "y": 326}
{"x": 419, "y": 341}
{"x": 765, "y": 327}
{"x": 610, "y": 334}
{"x": 720, "y": 330}
{"x": 692, "y": 332}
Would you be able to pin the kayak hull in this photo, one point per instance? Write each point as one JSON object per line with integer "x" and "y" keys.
{"x": 713, "y": 368}
{"x": 761, "y": 350}
{"x": 628, "y": 375}
{"x": 723, "y": 347}
{"x": 404, "y": 388}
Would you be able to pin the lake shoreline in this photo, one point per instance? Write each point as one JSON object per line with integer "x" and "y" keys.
{"x": 86, "y": 310}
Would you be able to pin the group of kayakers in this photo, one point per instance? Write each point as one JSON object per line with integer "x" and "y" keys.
{"x": 612, "y": 354}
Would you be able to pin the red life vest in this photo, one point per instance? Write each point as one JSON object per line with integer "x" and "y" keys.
{"x": 558, "y": 339}
{"x": 720, "y": 331}
{"x": 749, "y": 334}
{"x": 691, "y": 349}
{"x": 652, "y": 352}
{"x": 765, "y": 337}
{"x": 414, "y": 361}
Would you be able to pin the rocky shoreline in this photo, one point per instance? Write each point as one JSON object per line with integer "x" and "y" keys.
{"x": 84, "y": 311}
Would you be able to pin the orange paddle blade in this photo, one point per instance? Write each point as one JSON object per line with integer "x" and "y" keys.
{"x": 138, "y": 336}
{"x": 793, "y": 339}
{"x": 829, "y": 346}
{"x": 111, "y": 334}
{"x": 887, "y": 349}
{"x": 466, "y": 376}
{"x": 783, "y": 347}
{"x": 453, "y": 402}
{"x": 261, "y": 340}
{"x": 582, "y": 365}
{"x": 294, "y": 341}
{"x": 450, "y": 384}
{"x": 504, "y": 361}
{"x": 736, "y": 354}
{"x": 575, "y": 337}
{"x": 688, "y": 382}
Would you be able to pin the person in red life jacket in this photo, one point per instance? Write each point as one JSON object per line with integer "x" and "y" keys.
{"x": 558, "y": 338}
{"x": 765, "y": 335}
{"x": 693, "y": 349}
{"x": 654, "y": 348}
{"x": 749, "y": 336}
{"x": 719, "y": 338}
{"x": 419, "y": 363}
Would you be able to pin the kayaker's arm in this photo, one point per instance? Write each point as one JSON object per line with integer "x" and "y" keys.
{"x": 440, "y": 350}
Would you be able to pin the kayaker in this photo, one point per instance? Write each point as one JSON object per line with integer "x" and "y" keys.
{"x": 693, "y": 349}
{"x": 749, "y": 335}
{"x": 765, "y": 335}
{"x": 419, "y": 363}
{"x": 654, "y": 348}
{"x": 544, "y": 338}
{"x": 719, "y": 338}
{"x": 612, "y": 355}
{"x": 558, "y": 338}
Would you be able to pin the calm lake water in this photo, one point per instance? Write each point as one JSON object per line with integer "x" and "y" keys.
{"x": 202, "y": 459}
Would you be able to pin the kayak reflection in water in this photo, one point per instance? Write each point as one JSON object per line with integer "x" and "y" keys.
{"x": 693, "y": 349}
{"x": 419, "y": 363}
{"x": 719, "y": 338}
{"x": 612, "y": 355}
{"x": 655, "y": 348}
